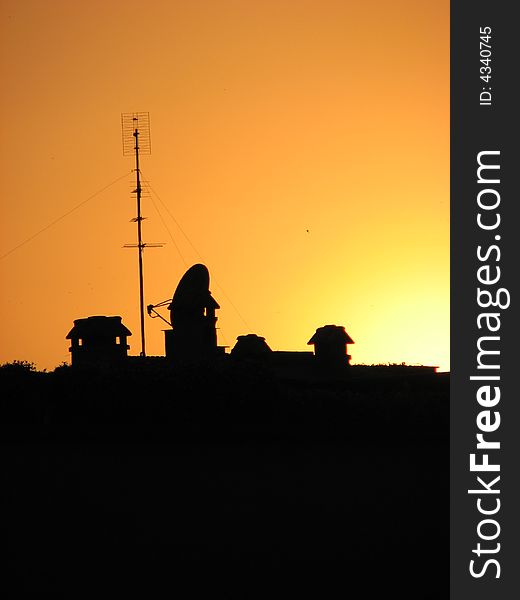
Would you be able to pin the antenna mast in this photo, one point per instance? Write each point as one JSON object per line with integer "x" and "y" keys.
{"x": 136, "y": 138}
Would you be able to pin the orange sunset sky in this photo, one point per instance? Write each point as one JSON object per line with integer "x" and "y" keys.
{"x": 301, "y": 145}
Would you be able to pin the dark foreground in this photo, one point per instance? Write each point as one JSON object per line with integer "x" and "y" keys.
{"x": 232, "y": 484}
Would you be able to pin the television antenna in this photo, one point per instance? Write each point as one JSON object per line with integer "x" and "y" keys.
{"x": 135, "y": 129}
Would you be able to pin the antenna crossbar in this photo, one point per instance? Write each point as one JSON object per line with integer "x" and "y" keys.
{"x": 144, "y": 245}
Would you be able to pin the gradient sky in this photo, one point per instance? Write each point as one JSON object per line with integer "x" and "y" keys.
{"x": 301, "y": 145}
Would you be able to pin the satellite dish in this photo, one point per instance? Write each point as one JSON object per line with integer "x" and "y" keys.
{"x": 192, "y": 296}
{"x": 193, "y": 317}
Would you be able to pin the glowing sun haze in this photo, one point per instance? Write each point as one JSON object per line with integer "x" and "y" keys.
{"x": 302, "y": 146}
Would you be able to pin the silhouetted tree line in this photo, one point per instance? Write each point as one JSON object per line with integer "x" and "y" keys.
{"x": 213, "y": 398}
{"x": 242, "y": 471}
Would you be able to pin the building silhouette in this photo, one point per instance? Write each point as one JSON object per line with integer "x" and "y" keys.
{"x": 193, "y": 319}
{"x": 250, "y": 347}
{"x": 98, "y": 341}
{"x": 101, "y": 341}
{"x": 330, "y": 345}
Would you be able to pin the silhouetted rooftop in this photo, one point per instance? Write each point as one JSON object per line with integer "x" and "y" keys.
{"x": 330, "y": 333}
{"x": 250, "y": 345}
{"x": 98, "y": 325}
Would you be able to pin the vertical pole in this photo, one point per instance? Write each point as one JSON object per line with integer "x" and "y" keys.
{"x": 139, "y": 241}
